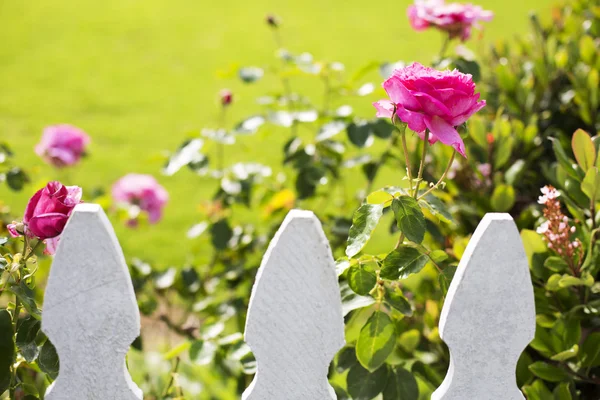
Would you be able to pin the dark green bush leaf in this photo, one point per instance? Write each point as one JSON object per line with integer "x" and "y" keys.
{"x": 221, "y": 233}
{"x": 410, "y": 218}
{"x": 360, "y": 134}
{"x": 402, "y": 262}
{"x": 346, "y": 359}
{"x": 401, "y": 385}
{"x": 16, "y": 178}
{"x": 589, "y": 353}
{"x": 365, "y": 385}
{"x": 48, "y": 360}
{"x": 548, "y": 372}
{"x": 361, "y": 279}
{"x": 26, "y": 334}
{"x": 376, "y": 341}
{"x": 537, "y": 391}
{"x": 364, "y": 220}
{"x": 7, "y": 349}
{"x": 395, "y": 298}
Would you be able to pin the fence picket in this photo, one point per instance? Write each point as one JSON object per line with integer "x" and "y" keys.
{"x": 90, "y": 313}
{"x": 295, "y": 324}
{"x": 489, "y": 315}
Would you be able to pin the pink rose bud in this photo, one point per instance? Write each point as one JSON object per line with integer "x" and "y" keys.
{"x": 427, "y": 99}
{"x": 273, "y": 21}
{"x": 62, "y": 145}
{"x": 143, "y": 191}
{"x": 226, "y": 97}
{"x": 47, "y": 213}
{"x": 456, "y": 19}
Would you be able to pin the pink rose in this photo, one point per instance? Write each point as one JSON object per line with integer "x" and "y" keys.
{"x": 456, "y": 19}
{"x": 425, "y": 98}
{"x": 141, "y": 191}
{"x": 47, "y": 213}
{"x": 62, "y": 145}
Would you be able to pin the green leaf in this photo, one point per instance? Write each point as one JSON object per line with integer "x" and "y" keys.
{"x": 584, "y": 149}
{"x": 478, "y": 131}
{"x": 360, "y": 134}
{"x": 26, "y": 334}
{"x": 401, "y": 385}
{"x": 402, "y": 262}
{"x": 221, "y": 233}
{"x": 436, "y": 207}
{"x": 503, "y": 198}
{"x": 376, "y": 341}
{"x": 556, "y": 264}
{"x": 565, "y": 355}
{"x": 591, "y": 184}
{"x": 410, "y": 218}
{"x": 548, "y": 372}
{"x": 587, "y": 49}
{"x": 562, "y": 392}
{"x": 48, "y": 360}
{"x": 590, "y": 351}
{"x": 563, "y": 159}
{"x": 409, "y": 340}
{"x": 7, "y": 349}
{"x": 364, "y": 220}
{"x": 361, "y": 279}
{"x": 16, "y": 178}
{"x": 346, "y": 359}
{"x": 26, "y": 296}
{"x": 395, "y": 298}
{"x": 365, "y": 385}
{"x": 537, "y": 391}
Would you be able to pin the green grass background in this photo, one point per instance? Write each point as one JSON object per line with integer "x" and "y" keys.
{"x": 138, "y": 74}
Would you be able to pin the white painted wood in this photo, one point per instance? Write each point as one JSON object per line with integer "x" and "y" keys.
{"x": 295, "y": 324}
{"x": 489, "y": 315}
{"x": 90, "y": 313}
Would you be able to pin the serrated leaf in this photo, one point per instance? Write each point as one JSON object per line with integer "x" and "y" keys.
{"x": 364, "y": 220}
{"x": 361, "y": 279}
{"x": 376, "y": 341}
{"x": 26, "y": 334}
{"x": 410, "y": 218}
{"x": 402, "y": 262}
{"x": 437, "y": 208}
{"x": 584, "y": 149}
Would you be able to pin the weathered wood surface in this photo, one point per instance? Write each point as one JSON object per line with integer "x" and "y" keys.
{"x": 295, "y": 324}
{"x": 489, "y": 315}
{"x": 90, "y": 313}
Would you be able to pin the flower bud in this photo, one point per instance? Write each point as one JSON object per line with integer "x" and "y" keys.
{"x": 226, "y": 97}
{"x": 273, "y": 21}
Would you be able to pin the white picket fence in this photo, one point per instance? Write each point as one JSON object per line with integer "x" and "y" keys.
{"x": 91, "y": 315}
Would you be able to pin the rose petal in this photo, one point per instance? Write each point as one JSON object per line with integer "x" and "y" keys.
{"x": 413, "y": 119}
{"x": 51, "y": 245}
{"x": 29, "y": 210}
{"x": 460, "y": 119}
{"x": 400, "y": 95}
{"x": 12, "y": 230}
{"x": 445, "y": 133}
{"x": 431, "y": 105}
{"x": 47, "y": 226}
{"x": 385, "y": 108}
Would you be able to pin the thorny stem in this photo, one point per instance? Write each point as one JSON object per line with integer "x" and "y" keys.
{"x": 172, "y": 381}
{"x": 439, "y": 182}
{"x": 400, "y": 240}
{"x": 422, "y": 166}
{"x": 388, "y": 150}
{"x": 444, "y": 48}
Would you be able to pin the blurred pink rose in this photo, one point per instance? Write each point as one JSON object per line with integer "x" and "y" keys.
{"x": 456, "y": 19}
{"x": 438, "y": 101}
{"x": 47, "y": 213}
{"x": 226, "y": 97}
{"x": 62, "y": 145}
{"x": 142, "y": 191}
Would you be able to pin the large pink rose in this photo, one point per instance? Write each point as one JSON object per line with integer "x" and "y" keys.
{"x": 47, "y": 213}
{"x": 427, "y": 99}
{"x": 142, "y": 191}
{"x": 456, "y": 19}
{"x": 62, "y": 145}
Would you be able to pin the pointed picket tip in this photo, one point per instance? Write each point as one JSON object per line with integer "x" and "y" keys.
{"x": 90, "y": 313}
{"x": 295, "y": 324}
{"x": 488, "y": 317}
